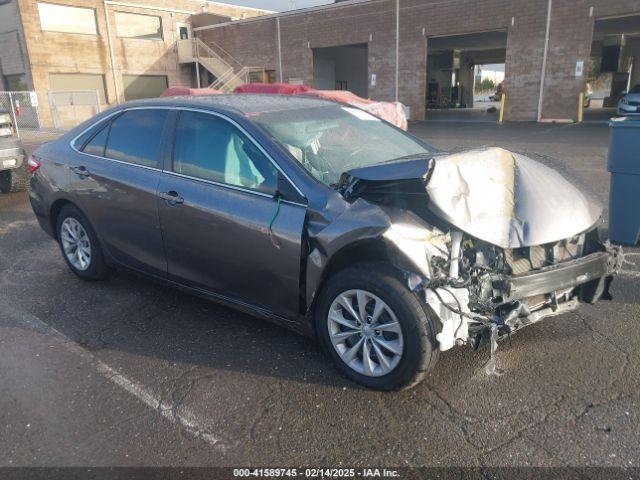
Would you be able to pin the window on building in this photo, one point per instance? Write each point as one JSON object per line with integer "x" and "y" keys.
{"x": 183, "y": 31}
{"x": 63, "y": 18}
{"x": 270, "y": 76}
{"x": 135, "y": 25}
{"x": 15, "y": 83}
{"x": 265, "y": 76}
{"x": 143, "y": 86}
{"x": 133, "y": 137}
{"x": 211, "y": 148}
{"x": 67, "y": 82}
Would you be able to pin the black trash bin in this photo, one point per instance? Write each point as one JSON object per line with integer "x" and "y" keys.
{"x": 624, "y": 166}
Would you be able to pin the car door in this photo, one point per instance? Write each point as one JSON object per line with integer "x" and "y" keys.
{"x": 115, "y": 179}
{"x": 224, "y": 229}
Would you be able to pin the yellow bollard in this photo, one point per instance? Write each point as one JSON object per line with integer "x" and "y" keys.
{"x": 580, "y": 107}
{"x": 501, "y": 108}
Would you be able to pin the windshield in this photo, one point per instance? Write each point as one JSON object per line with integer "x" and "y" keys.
{"x": 333, "y": 139}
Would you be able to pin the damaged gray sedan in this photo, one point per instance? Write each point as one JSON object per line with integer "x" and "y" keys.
{"x": 324, "y": 219}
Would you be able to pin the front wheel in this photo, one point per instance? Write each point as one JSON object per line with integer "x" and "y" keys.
{"x": 376, "y": 330}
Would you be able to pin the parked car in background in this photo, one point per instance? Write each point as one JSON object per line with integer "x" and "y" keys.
{"x": 13, "y": 160}
{"x": 325, "y": 219}
{"x": 496, "y": 97}
{"x": 630, "y": 103}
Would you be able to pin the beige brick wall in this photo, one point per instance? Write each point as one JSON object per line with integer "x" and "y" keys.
{"x": 55, "y": 52}
{"x": 254, "y": 43}
{"x": 12, "y": 57}
{"x": 570, "y": 38}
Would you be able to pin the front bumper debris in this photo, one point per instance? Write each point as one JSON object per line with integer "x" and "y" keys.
{"x": 520, "y": 300}
{"x": 569, "y": 274}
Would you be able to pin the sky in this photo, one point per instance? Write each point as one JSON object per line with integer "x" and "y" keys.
{"x": 496, "y": 67}
{"x": 277, "y": 5}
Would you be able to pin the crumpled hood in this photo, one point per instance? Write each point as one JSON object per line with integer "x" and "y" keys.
{"x": 508, "y": 199}
{"x": 495, "y": 195}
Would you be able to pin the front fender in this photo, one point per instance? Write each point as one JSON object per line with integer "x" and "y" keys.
{"x": 387, "y": 234}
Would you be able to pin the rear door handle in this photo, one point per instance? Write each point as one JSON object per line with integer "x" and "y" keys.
{"x": 171, "y": 197}
{"x": 81, "y": 171}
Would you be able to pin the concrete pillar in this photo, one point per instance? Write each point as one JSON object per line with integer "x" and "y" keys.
{"x": 634, "y": 51}
{"x": 567, "y": 47}
{"x": 466, "y": 80}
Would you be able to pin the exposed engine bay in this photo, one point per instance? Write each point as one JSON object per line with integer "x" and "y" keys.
{"x": 494, "y": 240}
{"x": 478, "y": 285}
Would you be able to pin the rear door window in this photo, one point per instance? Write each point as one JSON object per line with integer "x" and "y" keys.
{"x": 96, "y": 145}
{"x": 211, "y": 148}
{"x": 135, "y": 137}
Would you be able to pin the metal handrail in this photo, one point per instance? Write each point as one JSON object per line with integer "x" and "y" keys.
{"x": 222, "y": 78}
{"x": 201, "y": 45}
{"x": 244, "y": 72}
{"x": 230, "y": 74}
{"x": 218, "y": 47}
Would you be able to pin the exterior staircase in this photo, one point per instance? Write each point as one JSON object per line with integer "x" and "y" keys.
{"x": 228, "y": 72}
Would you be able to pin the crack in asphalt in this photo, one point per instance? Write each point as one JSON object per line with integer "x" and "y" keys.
{"x": 625, "y": 355}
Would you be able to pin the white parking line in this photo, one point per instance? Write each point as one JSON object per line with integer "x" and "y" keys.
{"x": 185, "y": 419}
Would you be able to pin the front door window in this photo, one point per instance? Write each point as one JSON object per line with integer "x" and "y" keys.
{"x": 211, "y": 148}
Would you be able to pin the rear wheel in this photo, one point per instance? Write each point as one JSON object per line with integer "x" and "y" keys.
{"x": 376, "y": 330}
{"x": 79, "y": 245}
{"x": 14, "y": 180}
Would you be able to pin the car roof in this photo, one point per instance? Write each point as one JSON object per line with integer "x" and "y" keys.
{"x": 246, "y": 104}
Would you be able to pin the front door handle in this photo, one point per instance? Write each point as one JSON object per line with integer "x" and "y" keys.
{"x": 171, "y": 197}
{"x": 80, "y": 171}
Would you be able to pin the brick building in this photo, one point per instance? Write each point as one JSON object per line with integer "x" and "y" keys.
{"x": 407, "y": 49}
{"x": 122, "y": 49}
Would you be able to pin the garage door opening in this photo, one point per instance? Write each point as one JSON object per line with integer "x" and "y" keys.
{"x": 465, "y": 74}
{"x": 614, "y": 65}
{"x": 344, "y": 67}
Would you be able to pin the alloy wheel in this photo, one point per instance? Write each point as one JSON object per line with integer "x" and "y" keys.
{"x": 75, "y": 243}
{"x": 365, "y": 333}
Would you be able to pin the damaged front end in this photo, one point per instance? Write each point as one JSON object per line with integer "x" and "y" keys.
{"x": 497, "y": 241}
{"x": 480, "y": 287}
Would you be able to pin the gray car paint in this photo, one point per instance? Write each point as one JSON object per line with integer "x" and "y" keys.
{"x": 113, "y": 191}
{"x": 217, "y": 242}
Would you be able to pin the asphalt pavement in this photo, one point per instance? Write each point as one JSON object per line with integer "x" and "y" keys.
{"x": 127, "y": 372}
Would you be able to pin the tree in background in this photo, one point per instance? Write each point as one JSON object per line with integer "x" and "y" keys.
{"x": 485, "y": 85}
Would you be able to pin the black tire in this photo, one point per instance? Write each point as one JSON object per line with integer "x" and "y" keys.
{"x": 97, "y": 269}
{"x": 16, "y": 180}
{"x": 418, "y": 324}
